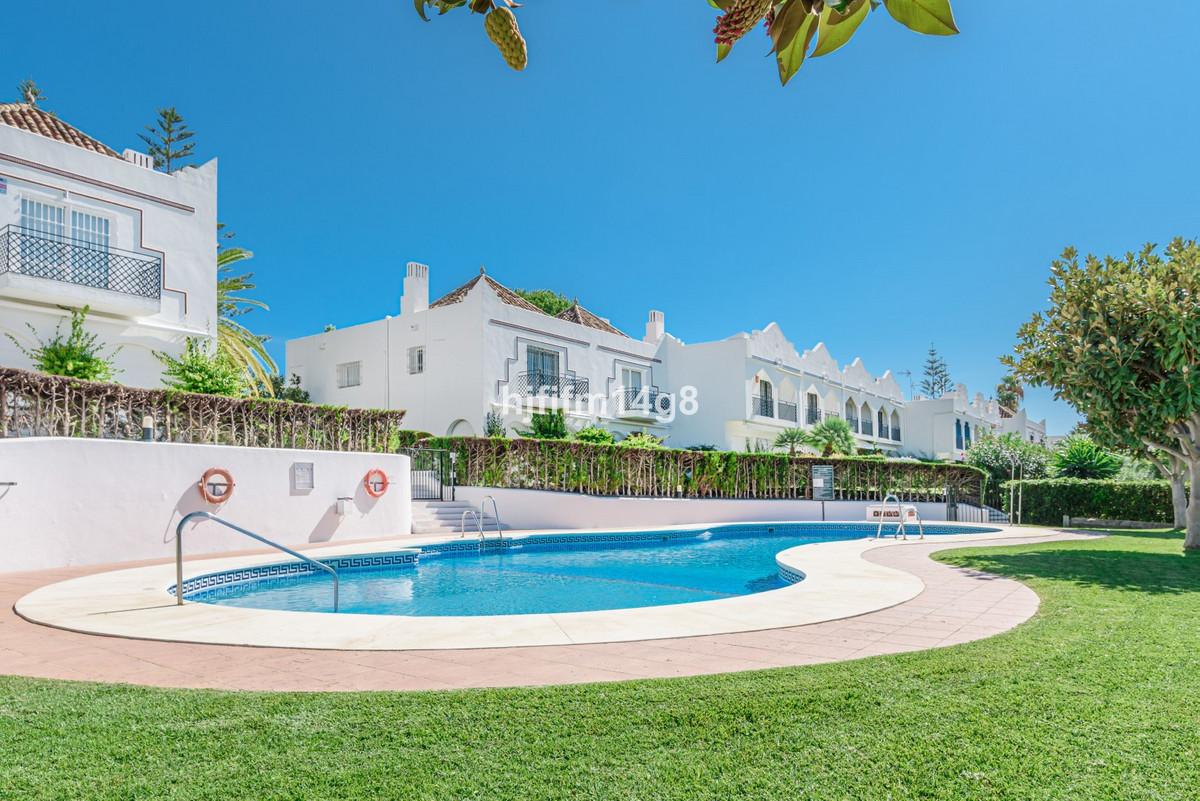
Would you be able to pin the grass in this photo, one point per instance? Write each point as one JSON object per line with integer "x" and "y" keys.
{"x": 1096, "y": 698}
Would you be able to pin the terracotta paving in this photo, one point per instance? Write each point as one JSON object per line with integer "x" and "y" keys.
{"x": 956, "y": 606}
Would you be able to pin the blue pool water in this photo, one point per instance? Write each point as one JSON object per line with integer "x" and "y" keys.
{"x": 563, "y": 573}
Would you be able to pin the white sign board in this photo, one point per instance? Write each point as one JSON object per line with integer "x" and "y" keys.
{"x": 303, "y": 476}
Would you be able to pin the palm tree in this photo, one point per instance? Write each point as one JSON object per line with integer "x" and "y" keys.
{"x": 245, "y": 349}
{"x": 790, "y": 438}
{"x": 831, "y": 435}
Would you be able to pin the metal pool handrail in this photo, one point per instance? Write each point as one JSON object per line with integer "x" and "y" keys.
{"x": 901, "y": 529}
{"x": 251, "y": 535}
{"x": 495, "y": 513}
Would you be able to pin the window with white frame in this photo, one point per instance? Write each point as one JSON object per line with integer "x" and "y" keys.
{"x": 416, "y": 360}
{"x": 349, "y": 374}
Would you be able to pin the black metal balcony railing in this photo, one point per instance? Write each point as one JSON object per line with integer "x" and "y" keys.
{"x": 761, "y": 406}
{"x": 642, "y": 400}
{"x": 866, "y": 428}
{"x": 883, "y": 432}
{"x": 788, "y": 411}
{"x": 853, "y": 423}
{"x": 73, "y": 262}
{"x": 896, "y": 433}
{"x": 551, "y": 385}
{"x": 812, "y": 416}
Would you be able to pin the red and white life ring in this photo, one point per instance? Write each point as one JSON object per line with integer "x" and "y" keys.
{"x": 375, "y": 482}
{"x": 216, "y": 491}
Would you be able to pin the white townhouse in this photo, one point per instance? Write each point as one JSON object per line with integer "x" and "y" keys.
{"x": 754, "y": 385}
{"x": 945, "y": 427}
{"x": 83, "y": 225}
{"x": 482, "y": 348}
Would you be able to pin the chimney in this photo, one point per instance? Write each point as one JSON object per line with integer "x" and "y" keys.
{"x": 416, "y": 289}
{"x": 655, "y": 326}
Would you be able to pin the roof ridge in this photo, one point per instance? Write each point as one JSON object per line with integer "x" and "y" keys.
{"x": 28, "y": 117}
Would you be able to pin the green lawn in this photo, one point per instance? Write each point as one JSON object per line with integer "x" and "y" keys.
{"x": 1096, "y": 698}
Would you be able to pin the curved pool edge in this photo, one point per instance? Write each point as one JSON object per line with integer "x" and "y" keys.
{"x": 134, "y": 603}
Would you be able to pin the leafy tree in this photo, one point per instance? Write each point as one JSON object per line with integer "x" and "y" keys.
{"x": 549, "y": 301}
{"x": 242, "y": 347}
{"x": 1120, "y": 342}
{"x": 792, "y": 25}
{"x": 167, "y": 140}
{"x": 1078, "y": 456}
{"x": 1009, "y": 394}
{"x": 76, "y": 355}
{"x": 831, "y": 436}
{"x": 640, "y": 439}
{"x": 493, "y": 425}
{"x": 548, "y": 425}
{"x": 289, "y": 390}
{"x": 791, "y": 438}
{"x": 936, "y": 381}
{"x": 595, "y": 435}
{"x": 199, "y": 369}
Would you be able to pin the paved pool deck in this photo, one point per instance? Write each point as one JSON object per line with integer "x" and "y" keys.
{"x": 954, "y": 606}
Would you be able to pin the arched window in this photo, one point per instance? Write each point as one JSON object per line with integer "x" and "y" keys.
{"x": 865, "y": 420}
{"x": 882, "y": 430}
{"x": 958, "y": 434}
{"x": 852, "y": 415}
{"x": 967, "y": 434}
{"x": 812, "y": 408}
{"x": 895, "y": 426}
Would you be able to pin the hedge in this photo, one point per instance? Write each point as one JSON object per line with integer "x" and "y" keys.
{"x": 1045, "y": 501}
{"x": 38, "y": 405}
{"x": 593, "y": 469}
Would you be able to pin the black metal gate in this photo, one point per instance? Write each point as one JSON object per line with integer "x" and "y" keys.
{"x": 432, "y": 474}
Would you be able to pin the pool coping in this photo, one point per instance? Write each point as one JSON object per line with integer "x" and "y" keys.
{"x": 134, "y": 603}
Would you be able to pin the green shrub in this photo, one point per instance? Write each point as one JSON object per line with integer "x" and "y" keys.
{"x": 77, "y": 355}
{"x": 550, "y": 425}
{"x": 640, "y": 439}
{"x": 994, "y": 456}
{"x": 595, "y": 435}
{"x": 1045, "y": 501}
{"x": 493, "y": 425}
{"x": 199, "y": 370}
{"x": 1079, "y": 456}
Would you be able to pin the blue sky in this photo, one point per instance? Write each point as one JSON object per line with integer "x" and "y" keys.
{"x": 901, "y": 191}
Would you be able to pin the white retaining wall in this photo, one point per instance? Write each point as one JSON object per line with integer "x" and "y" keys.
{"x": 528, "y": 509}
{"x": 90, "y": 501}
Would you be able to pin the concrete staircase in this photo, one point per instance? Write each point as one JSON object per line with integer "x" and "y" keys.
{"x": 445, "y": 517}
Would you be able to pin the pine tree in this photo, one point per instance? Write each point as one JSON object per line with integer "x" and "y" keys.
{"x": 167, "y": 140}
{"x": 936, "y": 381}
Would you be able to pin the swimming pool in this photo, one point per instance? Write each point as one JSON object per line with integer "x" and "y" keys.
{"x": 538, "y": 573}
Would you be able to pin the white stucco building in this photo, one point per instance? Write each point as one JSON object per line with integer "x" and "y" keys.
{"x": 82, "y": 225}
{"x": 483, "y": 349}
{"x": 945, "y": 427}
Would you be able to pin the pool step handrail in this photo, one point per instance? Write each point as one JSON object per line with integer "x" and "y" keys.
{"x": 462, "y": 523}
{"x": 495, "y": 514}
{"x": 210, "y": 516}
{"x": 901, "y": 529}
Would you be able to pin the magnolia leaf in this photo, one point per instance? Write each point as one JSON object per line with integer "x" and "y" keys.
{"x": 787, "y": 21}
{"x": 836, "y": 29}
{"x": 923, "y": 16}
{"x": 421, "y": 9}
{"x": 722, "y": 51}
{"x": 791, "y": 57}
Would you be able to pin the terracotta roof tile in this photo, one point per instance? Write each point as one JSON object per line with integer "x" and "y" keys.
{"x": 35, "y": 120}
{"x": 505, "y": 294}
{"x": 580, "y": 315}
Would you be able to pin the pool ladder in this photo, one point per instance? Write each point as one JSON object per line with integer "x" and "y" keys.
{"x": 210, "y": 516}
{"x": 901, "y": 531}
{"x": 462, "y": 523}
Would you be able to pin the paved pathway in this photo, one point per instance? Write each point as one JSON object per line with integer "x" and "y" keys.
{"x": 956, "y": 606}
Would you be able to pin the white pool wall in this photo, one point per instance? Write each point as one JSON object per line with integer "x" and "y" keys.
{"x": 91, "y": 501}
{"x": 537, "y": 509}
